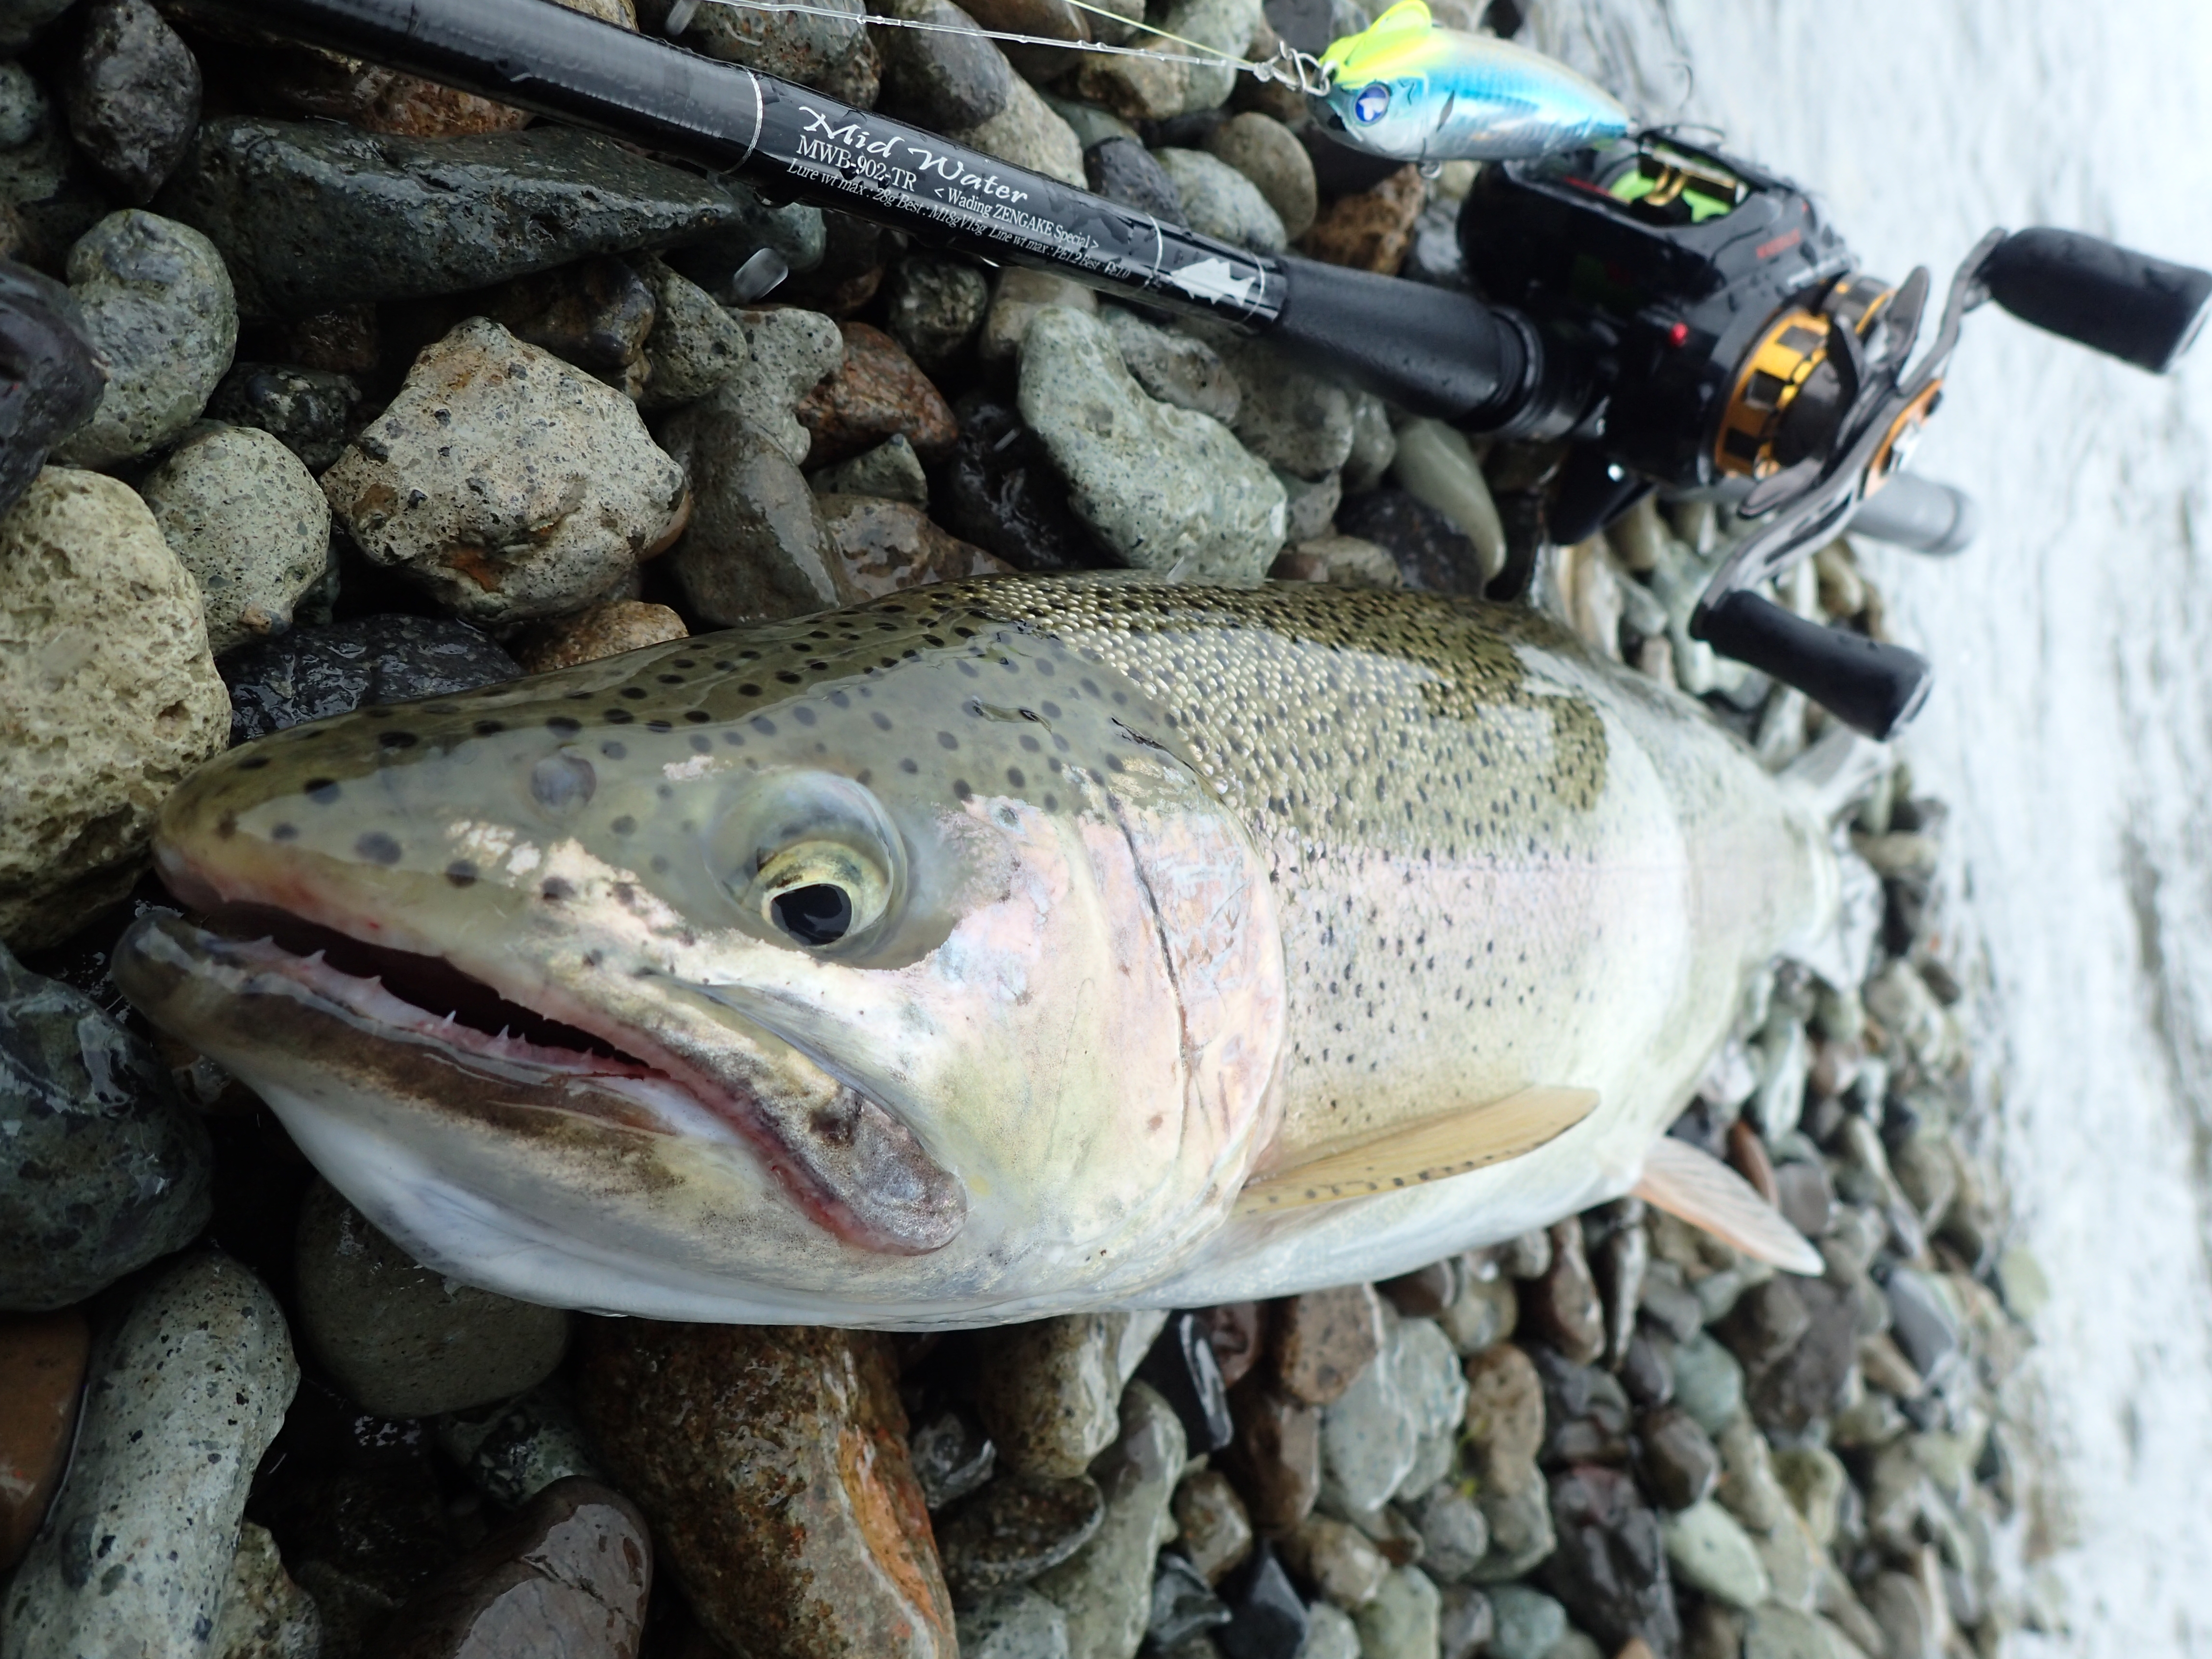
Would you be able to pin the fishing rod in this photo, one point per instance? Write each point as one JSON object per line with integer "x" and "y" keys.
{"x": 1687, "y": 320}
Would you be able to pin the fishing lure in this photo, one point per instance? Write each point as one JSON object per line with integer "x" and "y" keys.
{"x": 1409, "y": 89}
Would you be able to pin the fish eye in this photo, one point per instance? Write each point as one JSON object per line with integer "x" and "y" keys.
{"x": 1373, "y": 99}
{"x": 811, "y": 858}
{"x": 819, "y": 891}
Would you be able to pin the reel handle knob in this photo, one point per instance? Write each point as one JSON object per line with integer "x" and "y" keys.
{"x": 2143, "y": 310}
{"x": 1871, "y": 687}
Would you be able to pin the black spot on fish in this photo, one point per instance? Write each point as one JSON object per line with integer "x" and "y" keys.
{"x": 489, "y": 728}
{"x": 562, "y": 781}
{"x": 253, "y": 762}
{"x": 702, "y": 743}
{"x": 555, "y": 890}
{"x": 670, "y": 679}
{"x": 749, "y": 690}
{"x": 615, "y": 750}
{"x": 283, "y": 832}
{"x": 1052, "y": 803}
{"x": 658, "y": 725}
{"x": 763, "y": 725}
{"x": 803, "y": 715}
{"x": 620, "y": 717}
{"x": 395, "y": 741}
{"x": 1051, "y": 710}
{"x": 322, "y": 791}
{"x": 946, "y": 740}
{"x": 564, "y": 726}
{"x": 623, "y": 825}
{"x": 378, "y": 848}
{"x": 697, "y": 716}
{"x": 908, "y": 766}
{"x": 1014, "y": 776}
{"x": 634, "y": 693}
{"x": 883, "y": 721}
{"x": 226, "y": 825}
{"x": 960, "y": 789}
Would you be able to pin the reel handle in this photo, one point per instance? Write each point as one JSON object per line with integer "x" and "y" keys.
{"x": 1871, "y": 687}
{"x": 2127, "y": 304}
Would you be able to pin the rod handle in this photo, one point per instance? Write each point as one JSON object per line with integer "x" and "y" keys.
{"x": 1871, "y": 687}
{"x": 2127, "y": 304}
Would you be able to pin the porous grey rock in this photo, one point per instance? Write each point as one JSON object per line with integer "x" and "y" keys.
{"x": 108, "y": 698}
{"x": 1175, "y": 367}
{"x": 1402, "y": 1621}
{"x": 1290, "y": 417}
{"x": 936, "y": 307}
{"x": 792, "y": 352}
{"x": 1330, "y": 1634}
{"x": 245, "y": 517}
{"x": 22, "y": 19}
{"x": 1529, "y": 1623}
{"x": 158, "y": 307}
{"x": 1371, "y": 1439}
{"x": 1269, "y": 153}
{"x": 1225, "y": 25}
{"x": 1712, "y": 1553}
{"x": 940, "y": 78}
{"x": 891, "y": 470}
{"x": 311, "y": 412}
{"x": 1122, "y": 170}
{"x": 1219, "y": 201}
{"x": 264, "y": 1614}
{"x": 1027, "y": 133}
{"x": 1047, "y": 1389}
{"x": 513, "y": 1451}
{"x": 133, "y": 94}
{"x": 1165, "y": 488}
{"x": 55, "y": 379}
{"x": 23, "y": 105}
{"x": 402, "y": 1340}
{"x": 695, "y": 346}
{"x": 139, "y": 1546}
{"x": 1106, "y": 1589}
{"x": 310, "y": 215}
{"x": 831, "y": 48}
{"x": 1016, "y": 299}
{"x": 1708, "y": 1383}
{"x": 53, "y": 193}
{"x": 1374, "y": 445}
{"x": 1309, "y": 506}
{"x": 505, "y": 483}
{"x": 102, "y": 1167}
{"x": 1015, "y": 1623}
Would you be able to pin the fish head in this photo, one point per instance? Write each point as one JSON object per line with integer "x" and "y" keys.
{"x": 884, "y": 968}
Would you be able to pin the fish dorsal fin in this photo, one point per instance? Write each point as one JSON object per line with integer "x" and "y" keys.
{"x": 1705, "y": 1192}
{"x": 1432, "y": 1149}
{"x": 1407, "y": 21}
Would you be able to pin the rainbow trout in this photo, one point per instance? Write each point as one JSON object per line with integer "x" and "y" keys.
{"x": 980, "y": 953}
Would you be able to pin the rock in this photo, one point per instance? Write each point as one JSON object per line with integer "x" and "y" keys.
{"x": 936, "y": 77}
{"x": 1402, "y": 1621}
{"x": 1565, "y": 1306}
{"x": 1237, "y": 1331}
{"x": 1337, "y": 1560}
{"x": 22, "y": 19}
{"x": 951, "y": 1457}
{"x": 1027, "y": 133}
{"x": 1048, "y": 1391}
{"x": 315, "y": 672}
{"x": 1806, "y": 1197}
{"x": 1276, "y": 1456}
{"x": 1017, "y": 298}
{"x": 105, "y": 1169}
{"x": 506, "y": 483}
{"x": 1137, "y": 88}
{"x": 311, "y": 413}
{"x": 1610, "y": 1567}
{"x": 1520, "y": 1532}
{"x": 1482, "y": 1310}
{"x": 1708, "y": 1383}
{"x": 1504, "y": 1414}
{"x": 1166, "y": 489}
{"x": 1330, "y": 1634}
{"x": 694, "y": 347}
{"x": 1371, "y": 230}
{"x": 796, "y": 232}
{"x": 1712, "y": 1555}
{"x": 1909, "y": 1624}
{"x": 1454, "y": 1535}
{"x": 1430, "y": 554}
{"x": 936, "y": 307}
{"x": 1184, "y": 1607}
{"x": 243, "y": 515}
{"x": 772, "y": 1463}
{"x": 1310, "y": 508}
{"x": 1266, "y": 1618}
{"x": 1466, "y": 1623}
{"x": 264, "y": 1614}
{"x": 1922, "y": 1322}
{"x": 132, "y": 89}
{"x": 1220, "y": 202}
{"x": 879, "y": 547}
{"x": 1015, "y": 1623}
{"x": 877, "y": 392}
{"x": 834, "y": 53}
{"x": 1105, "y": 1588}
{"x": 1119, "y": 168}
{"x": 49, "y": 194}
{"x": 1374, "y": 444}
{"x": 370, "y": 217}
{"x": 757, "y": 546}
{"x": 1764, "y": 1324}
{"x": 1175, "y": 367}
{"x": 568, "y": 1574}
{"x": 855, "y": 253}
{"x": 594, "y": 313}
{"x": 1000, "y": 492}
{"x": 1181, "y": 1366}
{"x": 892, "y": 471}
{"x": 1290, "y": 418}
{"x": 516, "y": 1449}
{"x": 1815, "y": 1481}
{"x": 1676, "y": 1457}
{"x": 1425, "y": 1292}
{"x": 42, "y": 1364}
{"x": 1809, "y": 1380}
{"x": 1435, "y": 464}
{"x": 1268, "y": 153}
{"x": 158, "y": 308}
{"x": 791, "y": 351}
{"x": 138, "y": 1551}
{"x": 1323, "y": 1340}
{"x": 1227, "y": 26}
{"x": 1372, "y": 1438}
{"x": 1586, "y": 1413}
{"x": 1013, "y": 1529}
{"x": 1748, "y": 1487}
{"x": 1211, "y": 1524}
{"x": 1529, "y": 1623}
{"x": 1784, "y": 1633}
{"x": 604, "y": 631}
{"x": 46, "y": 352}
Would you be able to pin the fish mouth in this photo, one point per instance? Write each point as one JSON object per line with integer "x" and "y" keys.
{"x": 839, "y": 1155}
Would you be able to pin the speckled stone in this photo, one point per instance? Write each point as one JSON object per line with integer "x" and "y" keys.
{"x": 1048, "y": 1392}
{"x": 1027, "y": 133}
{"x": 514, "y": 1450}
{"x": 1018, "y": 296}
{"x": 1269, "y": 153}
{"x": 1610, "y": 1566}
{"x": 1713, "y": 1555}
{"x": 1371, "y": 230}
{"x": 1708, "y": 1383}
{"x": 265, "y": 1615}
{"x": 1402, "y": 1621}
{"x": 104, "y": 1168}
{"x": 834, "y": 53}
{"x": 757, "y": 546}
{"x": 936, "y": 307}
{"x": 1454, "y": 1537}
{"x": 312, "y": 412}
{"x": 891, "y": 470}
{"x": 312, "y": 672}
{"x": 1521, "y": 1531}
{"x": 1336, "y": 1560}
{"x": 1331, "y": 1635}
{"x": 877, "y": 391}
{"x": 604, "y": 631}
{"x": 1676, "y": 1457}
{"x": 1238, "y": 1331}
{"x": 951, "y": 1456}
{"x": 1105, "y": 1588}
{"x": 243, "y": 515}
{"x": 1119, "y": 167}
{"x": 1275, "y": 1456}
{"x": 138, "y": 1550}
{"x": 1220, "y": 202}
{"x": 1504, "y": 1413}
{"x": 1372, "y": 1436}
{"x": 943, "y": 77}
{"x": 1324, "y": 1339}
{"x": 1013, "y": 1529}
{"x": 1528, "y": 1622}
{"x": 132, "y": 89}
{"x": 42, "y": 1363}
{"x": 1563, "y": 1306}
{"x": 772, "y": 1463}
{"x": 1212, "y": 1528}
{"x": 879, "y": 547}
{"x": 1015, "y": 1623}
{"x": 695, "y": 346}
{"x": 1176, "y": 368}
{"x": 595, "y": 313}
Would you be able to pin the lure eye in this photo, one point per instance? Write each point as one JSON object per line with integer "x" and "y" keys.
{"x": 1373, "y": 99}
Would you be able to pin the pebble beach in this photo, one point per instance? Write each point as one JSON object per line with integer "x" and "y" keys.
{"x": 344, "y": 389}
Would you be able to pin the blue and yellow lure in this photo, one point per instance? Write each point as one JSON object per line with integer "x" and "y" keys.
{"x": 1408, "y": 90}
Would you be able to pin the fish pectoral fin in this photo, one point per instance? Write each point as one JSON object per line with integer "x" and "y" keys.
{"x": 1433, "y": 1149}
{"x": 1698, "y": 1189}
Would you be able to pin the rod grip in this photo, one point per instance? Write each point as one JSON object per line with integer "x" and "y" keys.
{"x": 2131, "y": 305}
{"x": 1874, "y": 688}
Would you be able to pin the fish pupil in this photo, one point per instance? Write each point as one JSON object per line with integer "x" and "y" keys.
{"x": 817, "y": 913}
{"x": 1373, "y": 99}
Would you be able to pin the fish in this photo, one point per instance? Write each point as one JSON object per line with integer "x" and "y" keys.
{"x": 995, "y": 949}
{"x": 1407, "y": 89}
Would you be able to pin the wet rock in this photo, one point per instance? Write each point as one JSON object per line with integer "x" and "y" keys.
{"x": 405, "y": 1340}
{"x": 1521, "y": 1531}
{"x": 1708, "y": 1383}
{"x": 243, "y": 515}
{"x": 1122, "y": 170}
{"x": 42, "y": 1366}
{"x": 46, "y": 352}
{"x": 264, "y": 1614}
{"x": 1330, "y": 1634}
{"x": 105, "y": 1168}
{"x": 1220, "y": 202}
{"x": 757, "y": 546}
{"x": 604, "y": 630}
{"x": 370, "y": 217}
{"x": 1237, "y": 1331}
{"x": 1105, "y": 1588}
{"x": 1676, "y": 1458}
{"x": 1047, "y": 1392}
{"x": 951, "y": 1455}
{"x": 1454, "y": 1535}
{"x": 1585, "y": 1413}
{"x": 892, "y": 471}
{"x": 1610, "y": 1568}
{"x": 1027, "y": 133}
{"x": 1465, "y": 1624}
{"x": 1431, "y": 555}
{"x": 132, "y": 89}
{"x": 1563, "y": 1306}
{"x": 1374, "y": 444}
{"x": 1015, "y": 1623}
{"x": 1212, "y": 1527}
{"x": 513, "y": 1451}
{"x": 158, "y": 308}
{"x": 1815, "y": 1481}
{"x": 1310, "y": 508}
{"x": 879, "y": 547}
{"x": 506, "y": 483}
{"x": 1775, "y": 1632}
{"x": 832, "y": 52}
{"x": 1504, "y": 1414}
{"x": 772, "y": 1463}
{"x": 1806, "y": 1197}
{"x": 1713, "y": 1555}
{"x": 1323, "y": 1340}
{"x": 1748, "y": 1487}
{"x": 1482, "y": 1310}
{"x": 1425, "y": 1292}
{"x": 1163, "y": 489}
{"x": 939, "y": 78}
{"x": 22, "y": 19}
{"x": 1299, "y": 421}
{"x": 1764, "y": 1324}
{"x": 1000, "y": 492}
{"x": 695, "y": 346}
{"x": 1266, "y": 1618}
{"x": 1529, "y": 1623}
{"x": 49, "y": 194}
{"x": 1013, "y": 1529}
{"x": 311, "y": 413}
{"x": 136, "y": 1552}
{"x": 1371, "y": 230}
{"x": 1136, "y": 88}
{"x": 1337, "y": 1560}
{"x": 1922, "y": 1322}
{"x": 1809, "y": 1380}
{"x": 1647, "y": 1368}
{"x": 1016, "y": 298}
{"x": 568, "y": 1574}
{"x": 876, "y": 394}
{"x": 1267, "y": 152}
{"x": 314, "y": 672}
{"x": 1276, "y": 1455}
{"x": 1181, "y": 1366}
{"x": 1175, "y": 367}
{"x": 1184, "y": 1607}
{"x": 936, "y": 307}
{"x": 594, "y": 313}
{"x": 1372, "y": 1436}
{"x": 1402, "y": 1621}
